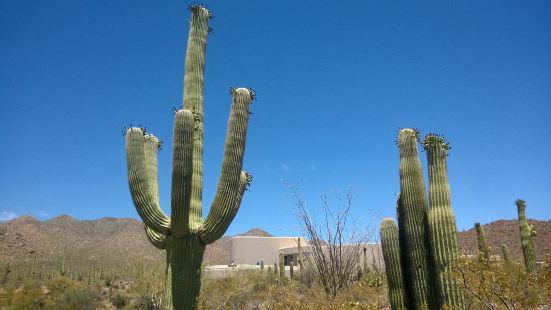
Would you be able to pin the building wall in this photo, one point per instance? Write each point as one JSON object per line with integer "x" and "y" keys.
{"x": 250, "y": 250}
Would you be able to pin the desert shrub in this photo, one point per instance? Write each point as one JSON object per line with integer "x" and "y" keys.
{"x": 500, "y": 286}
{"x": 76, "y": 298}
{"x": 118, "y": 301}
{"x": 29, "y": 296}
{"x": 257, "y": 290}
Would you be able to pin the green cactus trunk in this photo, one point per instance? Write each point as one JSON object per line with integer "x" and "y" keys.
{"x": 184, "y": 235}
{"x": 183, "y": 271}
{"x": 281, "y": 265}
{"x": 442, "y": 227}
{"x": 483, "y": 249}
{"x": 393, "y": 265}
{"x": 412, "y": 213}
{"x": 527, "y": 231}
{"x": 505, "y": 254}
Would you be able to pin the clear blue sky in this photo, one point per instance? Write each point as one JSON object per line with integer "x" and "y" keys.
{"x": 335, "y": 80}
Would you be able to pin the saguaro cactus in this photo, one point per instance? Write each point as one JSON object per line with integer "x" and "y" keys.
{"x": 441, "y": 221}
{"x": 412, "y": 213}
{"x": 393, "y": 264}
{"x": 483, "y": 249}
{"x": 281, "y": 264}
{"x": 527, "y": 231}
{"x": 184, "y": 235}
{"x": 505, "y": 254}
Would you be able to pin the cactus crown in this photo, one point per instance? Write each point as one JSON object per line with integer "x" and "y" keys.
{"x": 409, "y": 131}
{"x": 252, "y": 93}
{"x": 520, "y": 203}
{"x": 435, "y": 140}
{"x": 194, "y": 7}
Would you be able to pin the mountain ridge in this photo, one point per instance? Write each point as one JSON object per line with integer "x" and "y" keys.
{"x": 120, "y": 240}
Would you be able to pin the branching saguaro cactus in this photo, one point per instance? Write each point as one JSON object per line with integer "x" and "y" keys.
{"x": 412, "y": 215}
{"x": 393, "y": 265}
{"x": 184, "y": 235}
{"x": 483, "y": 249}
{"x": 441, "y": 221}
{"x": 527, "y": 231}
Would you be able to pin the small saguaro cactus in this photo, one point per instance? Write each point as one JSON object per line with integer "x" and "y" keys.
{"x": 483, "y": 249}
{"x": 441, "y": 222}
{"x": 412, "y": 213}
{"x": 393, "y": 265}
{"x": 505, "y": 254}
{"x": 281, "y": 264}
{"x": 527, "y": 231}
{"x": 276, "y": 270}
{"x": 291, "y": 269}
{"x": 185, "y": 234}
{"x": 261, "y": 265}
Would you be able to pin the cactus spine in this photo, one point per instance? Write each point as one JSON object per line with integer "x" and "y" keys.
{"x": 412, "y": 213}
{"x": 441, "y": 221}
{"x": 184, "y": 235}
{"x": 527, "y": 231}
{"x": 393, "y": 264}
{"x": 483, "y": 249}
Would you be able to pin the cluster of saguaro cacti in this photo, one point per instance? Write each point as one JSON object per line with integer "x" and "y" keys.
{"x": 185, "y": 234}
{"x": 425, "y": 242}
{"x": 527, "y": 231}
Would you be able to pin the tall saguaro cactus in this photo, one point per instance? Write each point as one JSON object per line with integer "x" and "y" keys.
{"x": 393, "y": 264}
{"x": 184, "y": 234}
{"x": 527, "y": 231}
{"x": 412, "y": 213}
{"x": 441, "y": 220}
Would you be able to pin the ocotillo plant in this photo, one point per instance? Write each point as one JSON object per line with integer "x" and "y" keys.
{"x": 441, "y": 222}
{"x": 185, "y": 234}
{"x": 505, "y": 254}
{"x": 412, "y": 213}
{"x": 527, "y": 231}
{"x": 393, "y": 265}
{"x": 483, "y": 249}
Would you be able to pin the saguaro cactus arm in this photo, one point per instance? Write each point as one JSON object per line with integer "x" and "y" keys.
{"x": 232, "y": 180}
{"x": 142, "y": 178}
{"x": 194, "y": 70}
{"x": 182, "y": 164}
{"x": 158, "y": 240}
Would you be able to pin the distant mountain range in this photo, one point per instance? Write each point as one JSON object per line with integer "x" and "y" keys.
{"x": 119, "y": 240}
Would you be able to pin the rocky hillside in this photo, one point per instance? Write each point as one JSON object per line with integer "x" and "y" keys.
{"x": 119, "y": 240}
{"x": 112, "y": 240}
{"x": 507, "y": 232}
